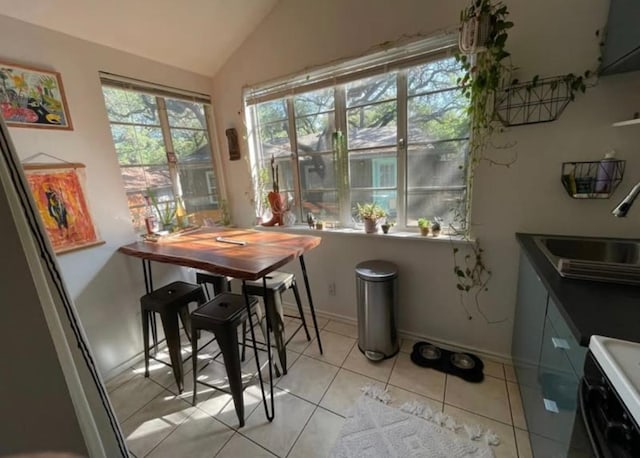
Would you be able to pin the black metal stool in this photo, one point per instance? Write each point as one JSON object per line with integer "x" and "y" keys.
{"x": 170, "y": 301}
{"x": 219, "y": 283}
{"x": 222, "y": 315}
{"x": 277, "y": 283}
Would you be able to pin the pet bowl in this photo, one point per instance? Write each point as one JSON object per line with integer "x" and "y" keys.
{"x": 462, "y": 361}
{"x": 430, "y": 352}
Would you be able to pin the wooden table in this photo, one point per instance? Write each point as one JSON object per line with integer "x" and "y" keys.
{"x": 253, "y": 255}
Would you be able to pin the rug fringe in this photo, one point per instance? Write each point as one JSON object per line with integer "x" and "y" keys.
{"x": 377, "y": 392}
{"x": 418, "y": 409}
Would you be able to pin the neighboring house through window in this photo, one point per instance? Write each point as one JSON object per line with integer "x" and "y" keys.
{"x": 404, "y": 120}
{"x": 149, "y": 127}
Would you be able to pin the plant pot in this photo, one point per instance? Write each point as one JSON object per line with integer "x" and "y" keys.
{"x": 474, "y": 34}
{"x": 370, "y": 226}
{"x": 435, "y": 232}
{"x": 424, "y": 231}
{"x": 385, "y": 228}
{"x": 320, "y": 226}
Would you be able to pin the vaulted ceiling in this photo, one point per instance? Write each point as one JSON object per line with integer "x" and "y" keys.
{"x": 196, "y": 35}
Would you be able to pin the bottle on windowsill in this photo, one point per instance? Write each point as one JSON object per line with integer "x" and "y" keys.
{"x": 181, "y": 213}
{"x": 149, "y": 216}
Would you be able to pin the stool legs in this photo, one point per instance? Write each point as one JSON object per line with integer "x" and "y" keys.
{"x": 194, "y": 360}
{"x": 145, "y": 339}
{"x": 294, "y": 286}
{"x": 277, "y": 324}
{"x": 228, "y": 343}
{"x": 172, "y": 333}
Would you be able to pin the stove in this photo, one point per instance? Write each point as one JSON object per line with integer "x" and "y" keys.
{"x": 610, "y": 397}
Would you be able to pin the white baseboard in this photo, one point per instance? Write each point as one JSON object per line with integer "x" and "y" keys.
{"x": 446, "y": 344}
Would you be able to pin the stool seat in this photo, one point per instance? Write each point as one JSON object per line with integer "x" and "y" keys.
{"x": 276, "y": 281}
{"x": 170, "y": 295}
{"x": 222, "y": 309}
{"x": 171, "y": 302}
{"x": 222, "y": 315}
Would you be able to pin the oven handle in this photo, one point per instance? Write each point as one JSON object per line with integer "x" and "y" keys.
{"x": 583, "y": 395}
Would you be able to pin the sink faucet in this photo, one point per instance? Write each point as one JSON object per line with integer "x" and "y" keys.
{"x": 623, "y": 207}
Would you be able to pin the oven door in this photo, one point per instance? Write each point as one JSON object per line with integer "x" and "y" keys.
{"x": 609, "y": 427}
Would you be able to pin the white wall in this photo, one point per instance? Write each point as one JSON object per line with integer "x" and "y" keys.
{"x": 105, "y": 285}
{"x": 549, "y": 38}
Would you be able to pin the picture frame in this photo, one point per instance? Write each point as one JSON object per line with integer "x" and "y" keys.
{"x": 33, "y": 97}
{"x": 58, "y": 192}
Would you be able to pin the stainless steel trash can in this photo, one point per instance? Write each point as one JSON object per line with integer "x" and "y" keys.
{"x": 377, "y": 293}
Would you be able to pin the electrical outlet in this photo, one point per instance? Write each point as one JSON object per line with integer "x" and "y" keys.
{"x": 332, "y": 289}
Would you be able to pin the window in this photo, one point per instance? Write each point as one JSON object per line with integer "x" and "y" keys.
{"x": 406, "y": 134}
{"x": 146, "y": 130}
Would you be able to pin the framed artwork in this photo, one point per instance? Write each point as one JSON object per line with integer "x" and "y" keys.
{"x": 31, "y": 97}
{"x": 58, "y": 191}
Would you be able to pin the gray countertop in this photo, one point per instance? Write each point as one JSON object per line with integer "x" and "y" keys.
{"x": 589, "y": 307}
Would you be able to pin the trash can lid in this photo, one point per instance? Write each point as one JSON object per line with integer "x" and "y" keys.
{"x": 376, "y": 270}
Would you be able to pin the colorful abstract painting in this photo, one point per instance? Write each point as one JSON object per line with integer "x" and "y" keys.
{"x": 59, "y": 196}
{"x": 30, "y": 97}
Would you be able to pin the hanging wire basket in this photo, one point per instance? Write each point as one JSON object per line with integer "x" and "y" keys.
{"x": 593, "y": 179}
{"x": 533, "y": 102}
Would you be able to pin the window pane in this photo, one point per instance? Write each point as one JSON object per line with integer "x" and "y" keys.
{"x": 199, "y": 187}
{"x": 434, "y": 76}
{"x": 191, "y": 145}
{"x": 317, "y": 171}
{"x": 373, "y": 125}
{"x": 323, "y": 204}
{"x": 285, "y": 174}
{"x": 370, "y": 90}
{"x": 437, "y": 116}
{"x": 275, "y": 139}
{"x": 138, "y": 144}
{"x": 313, "y": 102}
{"x": 440, "y": 204}
{"x": 373, "y": 169}
{"x": 186, "y": 114}
{"x": 437, "y": 164}
{"x": 272, "y": 111}
{"x": 315, "y": 133}
{"x": 387, "y": 199}
{"x": 141, "y": 178}
{"x": 130, "y": 107}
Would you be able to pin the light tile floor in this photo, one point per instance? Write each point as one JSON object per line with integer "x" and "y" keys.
{"x": 311, "y": 401}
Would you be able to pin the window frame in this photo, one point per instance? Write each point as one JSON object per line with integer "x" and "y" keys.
{"x": 175, "y": 185}
{"x": 341, "y": 113}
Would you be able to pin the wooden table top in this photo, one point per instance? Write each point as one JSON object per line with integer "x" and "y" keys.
{"x": 263, "y": 252}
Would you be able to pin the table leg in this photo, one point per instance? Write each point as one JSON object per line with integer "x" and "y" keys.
{"x": 271, "y": 415}
{"x": 148, "y": 286}
{"x": 313, "y": 312}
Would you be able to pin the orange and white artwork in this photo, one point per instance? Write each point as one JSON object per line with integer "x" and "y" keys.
{"x": 59, "y": 196}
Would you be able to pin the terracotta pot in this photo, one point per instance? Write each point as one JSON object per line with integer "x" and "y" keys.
{"x": 424, "y": 231}
{"x": 370, "y": 226}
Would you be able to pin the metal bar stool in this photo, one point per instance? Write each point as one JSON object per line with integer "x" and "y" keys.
{"x": 277, "y": 283}
{"x": 170, "y": 301}
{"x": 219, "y": 283}
{"x": 222, "y": 316}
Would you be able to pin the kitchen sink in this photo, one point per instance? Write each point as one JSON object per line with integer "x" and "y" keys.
{"x": 609, "y": 260}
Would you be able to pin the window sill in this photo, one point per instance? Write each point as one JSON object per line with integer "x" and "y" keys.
{"x": 350, "y": 232}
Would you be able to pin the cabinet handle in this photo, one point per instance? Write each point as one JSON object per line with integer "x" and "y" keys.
{"x": 550, "y": 405}
{"x": 560, "y": 343}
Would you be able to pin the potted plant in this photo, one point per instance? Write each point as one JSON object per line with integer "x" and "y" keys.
{"x": 435, "y": 228}
{"x": 370, "y": 214}
{"x": 386, "y": 226}
{"x": 423, "y": 224}
{"x": 165, "y": 211}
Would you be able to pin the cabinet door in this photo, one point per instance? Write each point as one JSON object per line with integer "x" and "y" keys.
{"x": 531, "y": 307}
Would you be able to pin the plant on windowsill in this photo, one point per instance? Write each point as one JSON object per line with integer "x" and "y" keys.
{"x": 388, "y": 224}
{"x": 423, "y": 224}
{"x": 370, "y": 214}
{"x": 166, "y": 211}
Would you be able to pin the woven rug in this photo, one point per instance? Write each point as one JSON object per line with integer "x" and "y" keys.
{"x": 376, "y": 430}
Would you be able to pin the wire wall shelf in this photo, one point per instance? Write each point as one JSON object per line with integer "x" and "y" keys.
{"x": 532, "y": 103}
{"x": 593, "y": 179}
